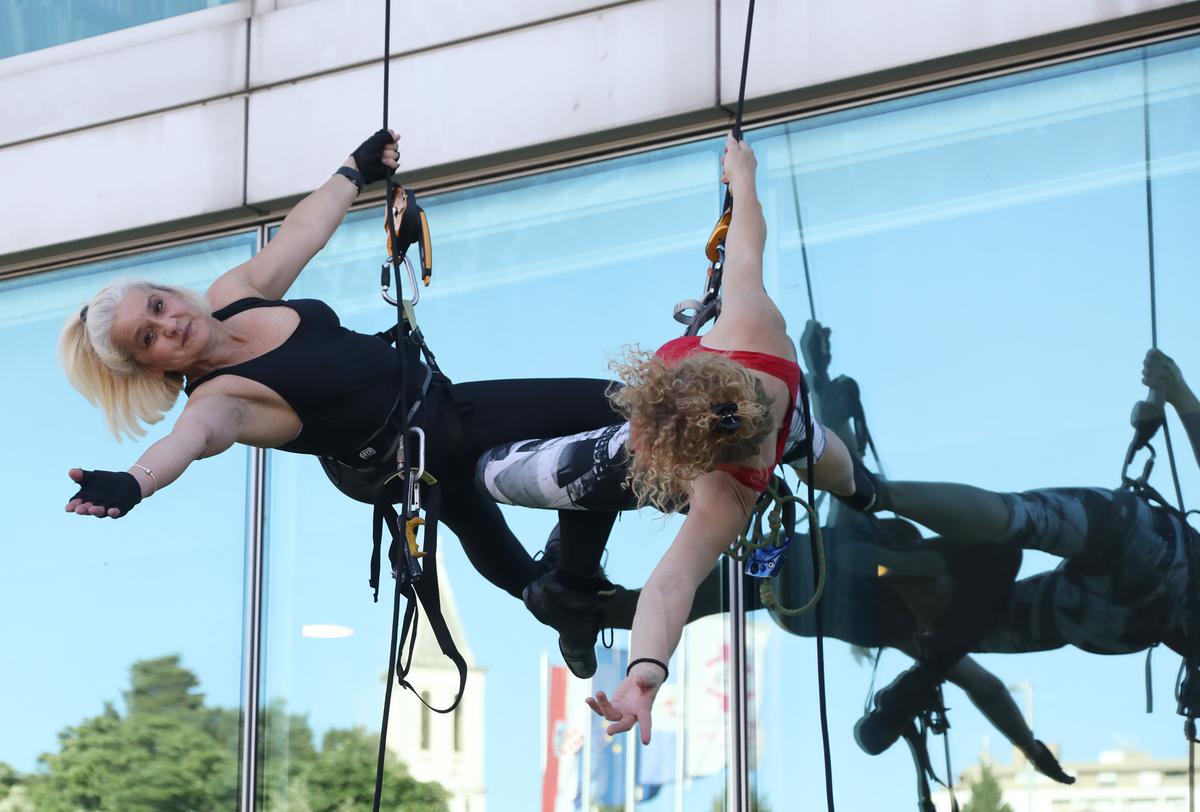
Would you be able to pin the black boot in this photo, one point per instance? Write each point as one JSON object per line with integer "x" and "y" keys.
{"x": 870, "y": 494}
{"x": 895, "y": 705}
{"x": 575, "y": 611}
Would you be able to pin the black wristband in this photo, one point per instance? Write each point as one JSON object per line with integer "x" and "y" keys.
{"x": 110, "y": 489}
{"x": 659, "y": 663}
{"x": 353, "y": 175}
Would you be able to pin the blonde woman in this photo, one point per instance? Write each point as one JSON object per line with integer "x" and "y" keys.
{"x": 270, "y": 372}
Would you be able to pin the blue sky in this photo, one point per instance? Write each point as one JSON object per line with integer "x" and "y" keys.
{"x": 980, "y": 254}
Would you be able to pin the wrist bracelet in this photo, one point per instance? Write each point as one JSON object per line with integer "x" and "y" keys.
{"x": 352, "y": 175}
{"x": 651, "y": 660}
{"x": 150, "y": 474}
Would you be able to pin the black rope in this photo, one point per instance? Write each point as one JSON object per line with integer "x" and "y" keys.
{"x": 1184, "y": 692}
{"x": 401, "y": 345}
{"x": 812, "y": 307}
{"x": 1150, "y": 259}
{"x": 806, "y": 416}
{"x": 741, "y": 103}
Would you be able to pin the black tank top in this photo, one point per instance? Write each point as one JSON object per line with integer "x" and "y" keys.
{"x": 341, "y": 384}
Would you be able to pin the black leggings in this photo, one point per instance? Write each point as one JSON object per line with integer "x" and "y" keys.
{"x": 489, "y": 413}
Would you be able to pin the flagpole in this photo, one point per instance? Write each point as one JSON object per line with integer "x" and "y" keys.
{"x": 543, "y": 707}
{"x": 631, "y": 745}
{"x": 681, "y": 731}
{"x": 585, "y": 778}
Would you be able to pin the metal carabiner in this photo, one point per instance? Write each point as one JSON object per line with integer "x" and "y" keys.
{"x": 415, "y": 475}
{"x": 385, "y": 282}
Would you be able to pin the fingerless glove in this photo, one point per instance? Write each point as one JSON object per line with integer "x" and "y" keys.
{"x": 369, "y": 156}
{"x": 110, "y": 489}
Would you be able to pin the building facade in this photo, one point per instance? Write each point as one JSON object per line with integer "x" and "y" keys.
{"x": 992, "y": 204}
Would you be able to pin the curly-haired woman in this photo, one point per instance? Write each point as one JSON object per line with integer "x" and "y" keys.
{"x": 707, "y": 419}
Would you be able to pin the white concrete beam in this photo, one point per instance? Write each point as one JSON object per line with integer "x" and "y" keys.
{"x": 71, "y": 95}
{"x": 626, "y": 65}
{"x": 326, "y": 35}
{"x": 128, "y": 175}
{"x": 802, "y": 44}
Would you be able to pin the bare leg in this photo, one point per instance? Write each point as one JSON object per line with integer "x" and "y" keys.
{"x": 834, "y": 472}
{"x": 949, "y": 509}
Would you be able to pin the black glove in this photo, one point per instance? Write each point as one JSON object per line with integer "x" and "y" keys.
{"x": 369, "y": 156}
{"x": 1045, "y": 763}
{"x": 110, "y": 489}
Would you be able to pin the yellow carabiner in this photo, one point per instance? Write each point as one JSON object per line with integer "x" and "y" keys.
{"x": 717, "y": 238}
{"x": 410, "y": 535}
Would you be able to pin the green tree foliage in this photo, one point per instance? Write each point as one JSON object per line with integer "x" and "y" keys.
{"x": 986, "y": 795}
{"x": 343, "y": 778}
{"x": 170, "y": 752}
{"x": 8, "y": 779}
{"x": 757, "y": 803}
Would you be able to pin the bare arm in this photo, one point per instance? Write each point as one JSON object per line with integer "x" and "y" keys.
{"x": 991, "y": 696}
{"x": 719, "y": 510}
{"x": 208, "y": 426}
{"x": 304, "y": 232}
{"x": 745, "y": 306}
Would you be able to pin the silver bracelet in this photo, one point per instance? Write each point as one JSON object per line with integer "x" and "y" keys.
{"x": 150, "y": 474}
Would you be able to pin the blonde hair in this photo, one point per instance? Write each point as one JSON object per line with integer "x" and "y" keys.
{"x": 676, "y": 430}
{"x": 129, "y": 393}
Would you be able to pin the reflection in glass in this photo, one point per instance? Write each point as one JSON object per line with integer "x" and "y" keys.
{"x": 981, "y": 255}
{"x": 33, "y": 24}
{"x": 129, "y": 630}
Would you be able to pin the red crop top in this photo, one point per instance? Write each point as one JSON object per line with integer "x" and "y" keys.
{"x": 787, "y": 371}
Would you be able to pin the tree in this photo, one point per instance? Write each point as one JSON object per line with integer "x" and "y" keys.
{"x": 142, "y": 763}
{"x": 757, "y": 804}
{"x": 9, "y": 778}
{"x": 342, "y": 779}
{"x": 162, "y": 686}
{"x": 170, "y": 752}
{"x": 986, "y": 795}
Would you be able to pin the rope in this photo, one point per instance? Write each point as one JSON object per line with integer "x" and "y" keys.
{"x": 1185, "y": 707}
{"x": 401, "y": 341}
{"x": 812, "y": 307}
{"x": 741, "y": 103}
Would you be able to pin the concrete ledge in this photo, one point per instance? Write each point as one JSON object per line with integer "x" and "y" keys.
{"x": 183, "y": 69}
{"x": 588, "y": 74}
{"x": 329, "y": 35}
{"x": 180, "y": 164}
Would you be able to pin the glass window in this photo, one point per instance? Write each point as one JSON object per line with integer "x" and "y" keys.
{"x": 546, "y": 276}
{"x": 29, "y": 25}
{"x": 122, "y": 666}
{"x": 981, "y": 256}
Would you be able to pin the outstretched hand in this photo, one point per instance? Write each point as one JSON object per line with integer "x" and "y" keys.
{"x": 103, "y": 494}
{"x": 630, "y": 704}
{"x": 1044, "y": 762}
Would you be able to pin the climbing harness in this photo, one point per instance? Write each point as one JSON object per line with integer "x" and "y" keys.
{"x": 916, "y": 735}
{"x": 394, "y": 470}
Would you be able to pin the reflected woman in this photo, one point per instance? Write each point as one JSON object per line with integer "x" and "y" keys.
{"x": 283, "y": 374}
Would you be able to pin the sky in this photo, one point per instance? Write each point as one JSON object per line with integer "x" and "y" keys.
{"x": 980, "y": 254}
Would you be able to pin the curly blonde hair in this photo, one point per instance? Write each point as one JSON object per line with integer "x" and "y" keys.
{"x": 106, "y": 374}
{"x": 676, "y": 430}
